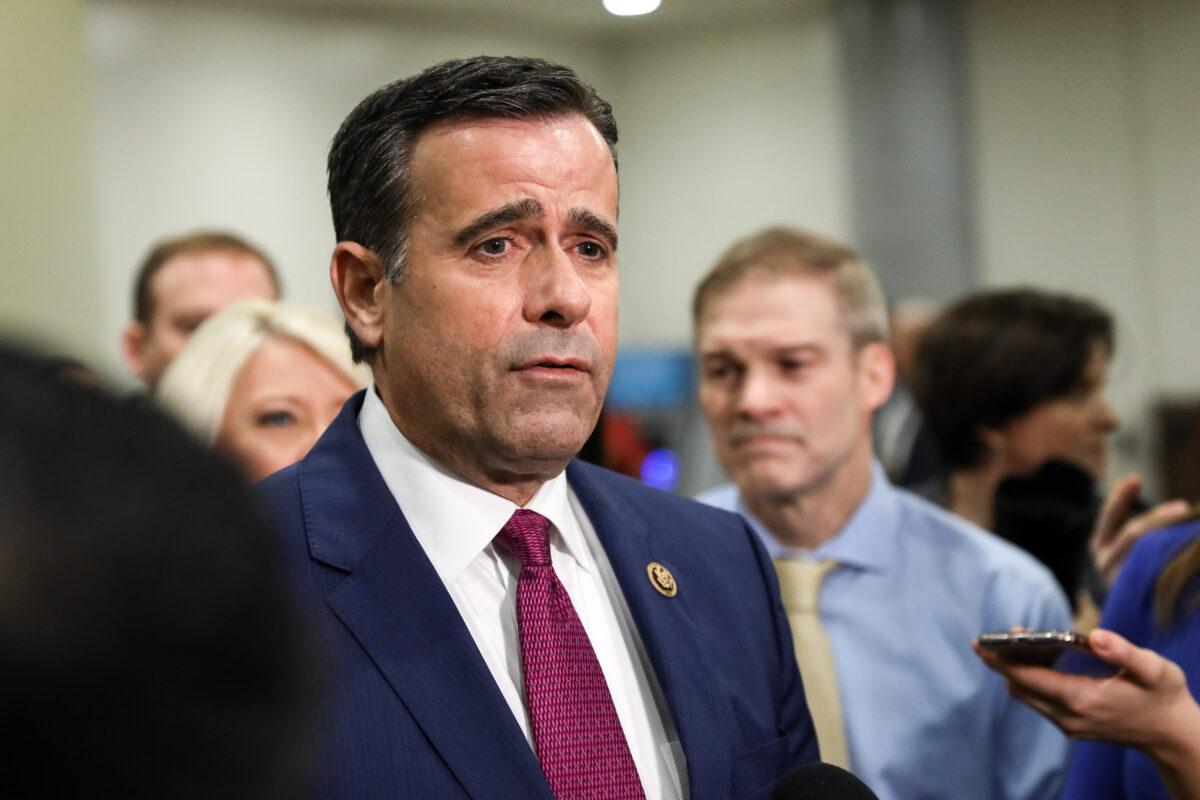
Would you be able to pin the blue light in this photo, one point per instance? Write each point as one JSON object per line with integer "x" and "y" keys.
{"x": 652, "y": 379}
{"x": 660, "y": 469}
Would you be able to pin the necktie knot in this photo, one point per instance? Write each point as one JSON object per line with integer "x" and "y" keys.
{"x": 527, "y": 536}
{"x": 800, "y": 582}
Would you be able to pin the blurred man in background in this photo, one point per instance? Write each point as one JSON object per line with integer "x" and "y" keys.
{"x": 884, "y": 591}
{"x": 149, "y": 642}
{"x": 182, "y": 282}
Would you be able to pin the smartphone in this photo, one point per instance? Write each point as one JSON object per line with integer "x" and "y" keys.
{"x": 1042, "y": 648}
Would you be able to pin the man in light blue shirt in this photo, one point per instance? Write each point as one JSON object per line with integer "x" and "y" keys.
{"x": 790, "y": 332}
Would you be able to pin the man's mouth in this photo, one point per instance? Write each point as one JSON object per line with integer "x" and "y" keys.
{"x": 553, "y": 364}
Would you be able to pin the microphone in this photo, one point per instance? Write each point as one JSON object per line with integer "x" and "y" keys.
{"x": 821, "y": 781}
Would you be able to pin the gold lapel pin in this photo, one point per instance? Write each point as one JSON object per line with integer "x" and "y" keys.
{"x": 662, "y": 579}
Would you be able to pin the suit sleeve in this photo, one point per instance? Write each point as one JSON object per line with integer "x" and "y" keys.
{"x": 794, "y": 718}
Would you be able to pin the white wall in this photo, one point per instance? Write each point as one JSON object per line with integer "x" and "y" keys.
{"x": 1087, "y": 166}
{"x": 215, "y": 117}
{"x": 722, "y": 133}
{"x": 48, "y": 281}
{"x": 220, "y": 117}
{"x": 1168, "y": 74}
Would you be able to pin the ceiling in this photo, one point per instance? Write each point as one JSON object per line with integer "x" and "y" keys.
{"x": 579, "y": 17}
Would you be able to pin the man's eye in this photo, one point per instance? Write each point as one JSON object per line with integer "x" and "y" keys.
{"x": 275, "y": 419}
{"x": 495, "y": 247}
{"x": 591, "y": 250}
{"x": 718, "y": 372}
{"x": 188, "y": 326}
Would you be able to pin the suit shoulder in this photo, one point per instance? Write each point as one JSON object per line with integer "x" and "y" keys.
{"x": 279, "y": 498}
{"x": 654, "y": 501}
{"x": 286, "y": 476}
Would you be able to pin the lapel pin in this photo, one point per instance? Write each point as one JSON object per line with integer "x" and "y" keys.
{"x": 661, "y": 579}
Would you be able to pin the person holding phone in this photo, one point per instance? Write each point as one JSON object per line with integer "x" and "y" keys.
{"x": 1142, "y": 724}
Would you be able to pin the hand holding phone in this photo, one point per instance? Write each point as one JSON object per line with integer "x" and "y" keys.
{"x": 1042, "y": 648}
{"x": 1066, "y": 651}
{"x": 1144, "y": 702}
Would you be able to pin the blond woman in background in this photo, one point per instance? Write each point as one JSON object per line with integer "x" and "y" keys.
{"x": 260, "y": 381}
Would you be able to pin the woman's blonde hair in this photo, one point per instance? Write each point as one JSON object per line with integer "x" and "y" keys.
{"x": 196, "y": 386}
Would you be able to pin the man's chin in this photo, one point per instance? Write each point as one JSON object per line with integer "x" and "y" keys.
{"x": 546, "y": 442}
{"x": 765, "y": 484}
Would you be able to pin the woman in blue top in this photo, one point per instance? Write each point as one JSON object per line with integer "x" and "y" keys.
{"x": 1146, "y": 717}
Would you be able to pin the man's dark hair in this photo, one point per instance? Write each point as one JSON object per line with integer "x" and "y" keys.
{"x": 370, "y": 189}
{"x": 149, "y": 642}
{"x": 993, "y": 356}
{"x": 189, "y": 243}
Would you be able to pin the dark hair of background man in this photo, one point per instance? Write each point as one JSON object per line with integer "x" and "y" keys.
{"x": 190, "y": 243}
{"x": 993, "y": 356}
{"x": 370, "y": 189}
{"x": 149, "y": 646}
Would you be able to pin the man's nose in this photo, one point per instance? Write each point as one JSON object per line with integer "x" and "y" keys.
{"x": 556, "y": 293}
{"x": 759, "y": 394}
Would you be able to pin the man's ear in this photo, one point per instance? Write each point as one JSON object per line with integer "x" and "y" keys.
{"x": 133, "y": 348}
{"x": 357, "y": 277}
{"x": 876, "y": 374}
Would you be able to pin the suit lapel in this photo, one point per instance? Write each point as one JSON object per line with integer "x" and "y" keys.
{"x": 396, "y": 606}
{"x": 666, "y": 627}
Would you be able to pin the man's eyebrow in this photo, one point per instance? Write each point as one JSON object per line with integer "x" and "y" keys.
{"x": 589, "y": 221}
{"x": 516, "y": 210}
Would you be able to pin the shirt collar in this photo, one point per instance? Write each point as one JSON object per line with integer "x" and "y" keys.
{"x": 455, "y": 520}
{"x": 866, "y": 540}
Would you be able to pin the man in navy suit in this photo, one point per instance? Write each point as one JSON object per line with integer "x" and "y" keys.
{"x": 502, "y": 622}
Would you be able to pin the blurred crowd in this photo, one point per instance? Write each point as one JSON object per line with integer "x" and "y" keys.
{"x": 918, "y": 474}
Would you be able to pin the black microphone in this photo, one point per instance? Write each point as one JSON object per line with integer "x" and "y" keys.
{"x": 820, "y": 781}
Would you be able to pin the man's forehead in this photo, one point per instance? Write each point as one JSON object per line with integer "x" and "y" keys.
{"x": 474, "y": 125}
{"x": 756, "y": 344}
{"x": 771, "y": 298}
{"x": 568, "y": 146}
{"x": 200, "y": 274}
{"x": 210, "y": 261}
{"x": 770, "y": 312}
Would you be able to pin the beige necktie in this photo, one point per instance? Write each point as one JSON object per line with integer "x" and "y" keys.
{"x": 800, "y": 584}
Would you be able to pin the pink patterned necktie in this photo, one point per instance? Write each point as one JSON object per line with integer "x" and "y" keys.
{"x": 576, "y": 733}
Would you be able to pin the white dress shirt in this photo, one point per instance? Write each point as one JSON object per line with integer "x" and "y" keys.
{"x": 454, "y": 522}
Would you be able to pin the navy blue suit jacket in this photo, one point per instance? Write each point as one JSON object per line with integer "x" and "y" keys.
{"x": 412, "y": 710}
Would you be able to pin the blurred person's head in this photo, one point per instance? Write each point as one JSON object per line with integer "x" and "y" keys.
{"x": 907, "y": 321}
{"x": 148, "y": 639}
{"x": 260, "y": 381}
{"x": 180, "y": 283}
{"x": 1008, "y": 379}
{"x": 791, "y": 333}
{"x": 475, "y": 206}
{"x": 70, "y": 368}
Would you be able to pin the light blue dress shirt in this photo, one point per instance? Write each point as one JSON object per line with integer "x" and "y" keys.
{"x": 924, "y": 717}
